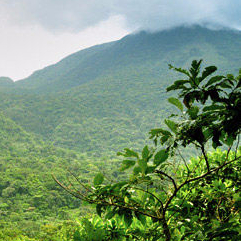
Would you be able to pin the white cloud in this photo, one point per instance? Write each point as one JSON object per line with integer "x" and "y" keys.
{"x": 28, "y": 48}
{"x": 36, "y": 33}
{"x": 76, "y": 15}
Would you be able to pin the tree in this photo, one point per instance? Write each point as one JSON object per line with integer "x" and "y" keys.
{"x": 177, "y": 195}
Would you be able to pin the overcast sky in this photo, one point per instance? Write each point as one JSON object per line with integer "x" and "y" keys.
{"x": 36, "y": 33}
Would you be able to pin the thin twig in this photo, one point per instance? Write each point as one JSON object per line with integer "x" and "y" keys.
{"x": 166, "y": 175}
{"x": 146, "y": 191}
{"x": 185, "y": 163}
{"x": 236, "y": 150}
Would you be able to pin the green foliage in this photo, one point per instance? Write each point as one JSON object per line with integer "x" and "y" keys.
{"x": 97, "y": 111}
{"x": 29, "y": 197}
{"x": 103, "y": 99}
{"x": 183, "y": 200}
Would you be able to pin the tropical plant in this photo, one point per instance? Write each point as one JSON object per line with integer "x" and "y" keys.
{"x": 184, "y": 200}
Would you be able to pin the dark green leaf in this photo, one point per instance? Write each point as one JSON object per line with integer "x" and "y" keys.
{"x": 160, "y": 157}
{"x": 193, "y": 112}
{"x": 208, "y": 71}
{"x": 127, "y": 164}
{"x": 145, "y": 153}
{"x": 128, "y": 218}
{"x": 214, "y": 80}
{"x": 110, "y": 215}
{"x": 136, "y": 170}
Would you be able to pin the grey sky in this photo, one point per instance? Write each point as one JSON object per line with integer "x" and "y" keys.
{"x": 35, "y": 33}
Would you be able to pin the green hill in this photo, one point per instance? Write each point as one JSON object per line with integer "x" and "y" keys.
{"x": 107, "y": 97}
{"x": 29, "y": 197}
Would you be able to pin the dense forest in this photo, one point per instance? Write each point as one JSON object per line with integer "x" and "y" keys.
{"x": 62, "y": 127}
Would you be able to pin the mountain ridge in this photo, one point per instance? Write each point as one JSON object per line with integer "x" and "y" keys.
{"x": 91, "y": 63}
{"x": 119, "y": 93}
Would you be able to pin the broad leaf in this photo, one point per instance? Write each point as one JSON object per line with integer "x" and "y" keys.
{"x": 145, "y": 153}
{"x": 126, "y": 164}
{"x": 143, "y": 165}
{"x": 176, "y": 102}
{"x": 160, "y": 157}
{"x": 214, "y": 80}
{"x": 172, "y": 125}
{"x": 208, "y": 71}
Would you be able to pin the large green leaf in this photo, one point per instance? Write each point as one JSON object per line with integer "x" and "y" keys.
{"x": 126, "y": 164}
{"x": 145, "y": 153}
{"x": 143, "y": 165}
{"x": 214, "y": 80}
{"x": 160, "y": 157}
{"x": 176, "y": 102}
{"x": 172, "y": 125}
{"x": 207, "y": 71}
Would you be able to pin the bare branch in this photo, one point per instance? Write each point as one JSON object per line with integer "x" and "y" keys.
{"x": 205, "y": 157}
{"x": 166, "y": 175}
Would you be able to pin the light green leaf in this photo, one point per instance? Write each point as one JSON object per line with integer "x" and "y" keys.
{"x": 172, "y": 125}
{"x": 128, "y": 153}
{"x": 176, "y": 102}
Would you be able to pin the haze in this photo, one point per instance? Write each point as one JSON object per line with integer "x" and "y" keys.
{"x": 36, "y": 33}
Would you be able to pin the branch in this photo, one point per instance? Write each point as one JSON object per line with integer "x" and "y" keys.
{"x": 236, "y": 150}
{"x": 151, "y": 195}
{"x": 185, "y": 163}
{"x": 196, "y": 179}
{"x": 205, "y": 157}
{"x": 77, "y": 179}
{"x": 166, "y": 175}
{"x": 102, "y": 202}
{"x": 79, "y": 196}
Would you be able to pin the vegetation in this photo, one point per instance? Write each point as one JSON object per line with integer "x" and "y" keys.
{"x": 101, "y": 112}
{"x": 71, "y": 118}
{"x": 30, "y": 202}
{"x": 177, "y": 200}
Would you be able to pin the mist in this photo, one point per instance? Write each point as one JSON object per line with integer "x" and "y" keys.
{"x": 152, "y": 15}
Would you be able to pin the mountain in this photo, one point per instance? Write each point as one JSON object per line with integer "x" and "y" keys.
{"x": 102, "y": 99}
{"x": 6, "y": 82}
{"x": 178, "y": 45}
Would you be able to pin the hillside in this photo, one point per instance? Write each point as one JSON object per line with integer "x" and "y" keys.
{"x": 107, "y": 97}
{"x": 29, "y": 198}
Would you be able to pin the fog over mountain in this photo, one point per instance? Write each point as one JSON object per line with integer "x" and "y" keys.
{"x": 76, "y": 15}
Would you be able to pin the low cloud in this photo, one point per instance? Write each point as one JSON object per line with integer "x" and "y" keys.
{"x": 77, "y": 15}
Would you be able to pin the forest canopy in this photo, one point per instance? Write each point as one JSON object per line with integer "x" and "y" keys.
{"x": 164, "y": 196}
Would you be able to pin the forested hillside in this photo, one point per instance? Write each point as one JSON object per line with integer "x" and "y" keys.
{"x": 107, "y": 97}
{"x": 29, "y": 198}
{"x": 70, "y": 119}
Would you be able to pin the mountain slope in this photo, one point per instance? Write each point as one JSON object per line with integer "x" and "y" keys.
{"x": 105, "y": 98}
{"x": 135, "y": 50}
